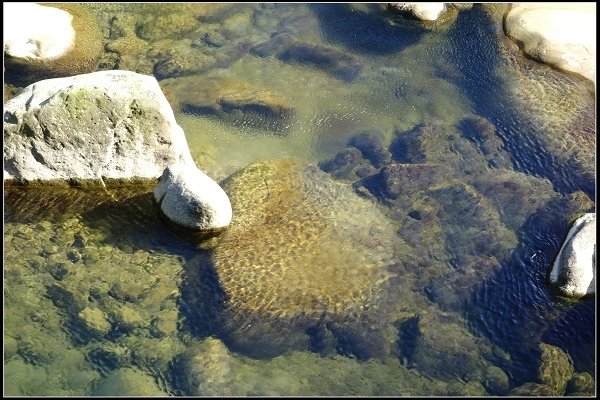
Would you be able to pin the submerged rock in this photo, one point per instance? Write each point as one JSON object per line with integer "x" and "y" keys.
{"x": 371, "y": 146}
{"x": 560, "y": 34}
{"x": 313, "y": 232}
{"x": 533, "y": 389}
{"x": 231, "y": 100}
{"x": 556, "y": 368}
{"x": 581, "y": 383}
{"x": 574, "y": 270}
{"x": 206, "y": 369}
{"x": 108, "y": 124}
{"x": 342, "y": 65}
{"x": 190, "y": 198}
{"x": 127, "y": 382}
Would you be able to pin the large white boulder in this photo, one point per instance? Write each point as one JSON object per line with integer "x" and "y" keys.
{"x": 189, "y": 198}
{"x": 422, "y": 11}
{"x": 107, "y": 124}
{"x": 561, "y": 34}
{"x": 574, "y": 269}
{"x": 37, "y": 32}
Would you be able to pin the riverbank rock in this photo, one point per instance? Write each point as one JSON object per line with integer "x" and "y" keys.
{"x": 107, "y": 124}
{"x": 312, "y": 231}
{"x": 49, "y": 41}
{"x": 422, "y": 11}
{"x": 190, "y": 198}
{"x": 46, "y": 34}
{"x": 574, "y": 270}
{"x": 560, "y": 34}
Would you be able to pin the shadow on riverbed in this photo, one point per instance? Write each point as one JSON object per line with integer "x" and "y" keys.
{"x": 368, "y": 32}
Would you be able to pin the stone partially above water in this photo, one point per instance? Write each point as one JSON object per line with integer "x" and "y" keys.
{"x": 560, "y": 34}
{"x": 36, "y": 32}
{"x": 190, "y": 198}
{"x": 107, "y": 124}
{"x": 574, "y": 270}
{"x": 422, "y": 11}
{"x": 49, "y": 41}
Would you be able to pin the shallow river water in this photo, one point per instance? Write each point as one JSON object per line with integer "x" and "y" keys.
{"x": 420, "y": 180}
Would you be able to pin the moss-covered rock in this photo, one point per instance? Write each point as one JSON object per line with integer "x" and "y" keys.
{"x": 581, "y": 382}
{"x": 94, "y": 321}
{"x": 313, "y": 232}
{"x": 556, "y": 368}
{"x": 533, "y": 389}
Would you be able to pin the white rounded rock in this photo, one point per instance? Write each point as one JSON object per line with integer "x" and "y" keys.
{"x": 190, "y": 198}
{"x": 574, "y": 269}
{"x": 423, "y": 11}
{"x": 37, "y": 32}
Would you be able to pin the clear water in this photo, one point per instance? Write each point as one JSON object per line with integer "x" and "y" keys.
{"x": 101, "y": 297}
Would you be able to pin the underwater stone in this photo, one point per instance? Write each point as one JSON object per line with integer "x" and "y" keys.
{"x": 313, "y": 230}
{"x": 347, "y": 164}
{"x": 190, "y": 198}
{"x": 164, "y": 26}
{"x": 231, "y": 100}
{"x": 277, "y": 41}
{"x": 581, "y": 382}
{"x": 342, "y": 65}
{"x": 515, "y": 195}
{"x": 533, "y": 389}
{"x": 496, "y": 381}
{"x": 205, "y": 369}
{"x": 371, "y": 146}
{"x": 94, "y": 321}
{"x": 574, "y": 270}
{"x": 107, "y": 124}
{"x": 127, "y": 382}
{"x": 556, "y": 368}
{"x": 560, "y": 34}
{"x": 10, "y": 347}
{"x": 405, "y": 178}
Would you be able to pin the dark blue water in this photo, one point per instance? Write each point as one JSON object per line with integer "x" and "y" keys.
{"x": 477, "y": 60}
